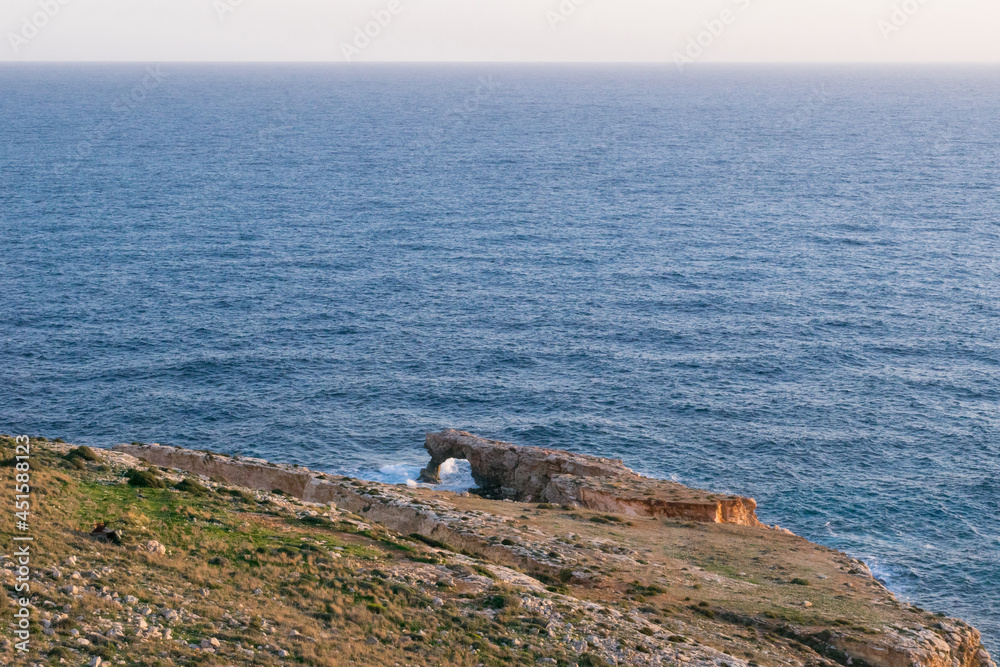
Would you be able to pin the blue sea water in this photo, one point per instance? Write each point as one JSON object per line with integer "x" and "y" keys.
{"x": 775, "y": 282}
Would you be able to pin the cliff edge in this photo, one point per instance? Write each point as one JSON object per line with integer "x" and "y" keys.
{"x": 160, "y": 555}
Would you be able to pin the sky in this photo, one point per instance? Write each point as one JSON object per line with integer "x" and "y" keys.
{"x": 502, "y": 30}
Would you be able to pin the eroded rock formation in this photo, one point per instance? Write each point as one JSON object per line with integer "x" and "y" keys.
{"x": 534, "y": 474}
{"x": 754, "y": 608}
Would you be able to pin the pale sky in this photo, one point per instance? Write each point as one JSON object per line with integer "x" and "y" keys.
{"x": 502, "y": 30}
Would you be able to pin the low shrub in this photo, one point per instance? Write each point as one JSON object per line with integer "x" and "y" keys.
{"x": 191, "y": 486}
{"x": 502, "y": 601}
{"x": 317, "y": 520}
{"x": 429, "y": 541}
{"x": 239, "y": 494}
{"x": 145, "y": 479}
{"x": 83, "y": 453}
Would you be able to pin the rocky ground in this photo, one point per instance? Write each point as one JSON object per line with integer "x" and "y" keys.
{"x": 209, "y": 572}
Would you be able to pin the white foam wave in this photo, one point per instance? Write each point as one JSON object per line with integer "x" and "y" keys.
{"x": 455, "y": 475}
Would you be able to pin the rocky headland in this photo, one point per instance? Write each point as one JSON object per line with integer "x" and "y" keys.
{"x": 532, "y": 474}
{"x": 154, "y": 555}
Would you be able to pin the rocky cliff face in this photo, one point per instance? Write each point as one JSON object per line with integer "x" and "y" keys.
{"x": 633, "y": 586}
{"x": 534, "y": 474}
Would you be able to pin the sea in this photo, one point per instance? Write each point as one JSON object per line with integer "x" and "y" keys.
{"x": 774, "y": 281}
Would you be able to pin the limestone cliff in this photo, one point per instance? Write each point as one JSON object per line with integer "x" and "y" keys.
{"x": 533, "y": 474}
{"x": 617, "y": 577}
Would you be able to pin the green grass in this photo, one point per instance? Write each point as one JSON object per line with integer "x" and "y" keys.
{"x": 175, "y": 518}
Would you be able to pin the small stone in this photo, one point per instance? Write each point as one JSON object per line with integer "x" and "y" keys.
{"x": 807, "y": 604}
{"x": 131, "y": 599}
{"x": 96, "y": 661}
{"x": 153, "y": 547}
{"x": 281, "y": 653}
{"x": 437, "y": 602}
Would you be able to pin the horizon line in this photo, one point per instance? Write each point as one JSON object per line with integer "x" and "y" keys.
{"x": 667, "y": 63}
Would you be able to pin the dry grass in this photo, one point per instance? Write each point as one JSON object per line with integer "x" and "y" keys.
{"x": 251, "y": 571}
{"x": 249, "y": 574}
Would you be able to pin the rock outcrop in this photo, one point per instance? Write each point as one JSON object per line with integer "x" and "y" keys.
{"x": 384, "y": 506}
{"x": 534, "y": 474}
{"x": 641, "y": 591}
